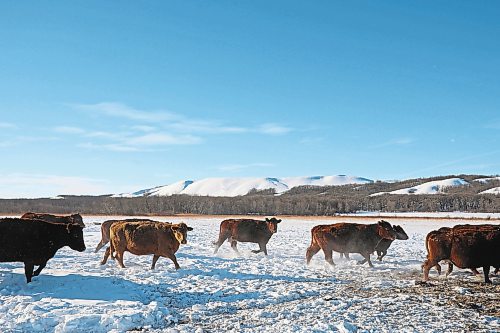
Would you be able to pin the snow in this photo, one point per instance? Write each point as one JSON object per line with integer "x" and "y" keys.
{"x": 248, "y": 292}
{"x": 232, "y": 187}
{"x": 494, "y": 190}
{"x": 486, "y": 180}
{"x": 433, "y": 187}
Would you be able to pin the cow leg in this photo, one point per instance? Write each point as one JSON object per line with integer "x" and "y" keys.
{"x": 474, "y": 271}
{"x": 100, "y": 245}
{"x": 28, "y": 271}
{"x": 262, "y": 248}
{"x": 486, "y": 272}
{"x": 428, "y": 264}
{"x": 233, "y": 246}
{"x": 311, "y": 251}
{"x": 438, "y": 268}
{"x": 496, "y": 270}
{"x": 450, "y": 269}
{"x": 381, "y": 255}
{"x": 39, "y": 269}
{"x": 106, "y": 255}
{"x": 155, "y": 259}
{"x": 172, "y": 257}
{"x": 346, "y": 255}
{"x": 329, "y": 256}
{"x": 119, "y": 258}
{"x": 220, "y": 241}
{"x": 367, "y": 259}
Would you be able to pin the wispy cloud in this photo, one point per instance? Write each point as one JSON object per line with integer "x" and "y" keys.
{"x": 274, "y": 129}
{"x": 152, "y": 130}
{"x": 395, "y": 142}
{"x": 124, "y": 111}
{"x": 22, "y": 185}
{"x": 238, "y": 167}
{"x": 69, "y": 130}
{"x": 494, "y": 124}
{"x": 7, "y": 126}
{"x": 451, "y": 163}
{"x": 162, "y": 139}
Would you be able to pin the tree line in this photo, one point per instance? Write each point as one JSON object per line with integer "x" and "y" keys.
{"x": 305, "y": 200}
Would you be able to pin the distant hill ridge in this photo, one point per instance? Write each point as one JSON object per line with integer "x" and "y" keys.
{"x": 232, "y": 187}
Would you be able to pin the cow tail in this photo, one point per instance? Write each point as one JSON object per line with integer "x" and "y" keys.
{"x": 314, "y": 241}
{"x": 111, "y": 249}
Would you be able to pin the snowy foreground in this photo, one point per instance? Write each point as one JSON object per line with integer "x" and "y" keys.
{"x": 248, "y": 293}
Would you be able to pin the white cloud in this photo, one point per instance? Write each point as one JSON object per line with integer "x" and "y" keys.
{"x": 7, "y": 126}
{"x": 69, "y": 130}
{"x": 21, "y": 185}
{"x": 168, "y": 129}
{"x": 162, "y": 139}
{"x": 395, "y": 142}
{"x": 124, "y": 111}
{"x": 274, "y": 129}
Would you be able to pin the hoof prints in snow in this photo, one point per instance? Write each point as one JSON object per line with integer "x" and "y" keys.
{"x": 246, "y": 292}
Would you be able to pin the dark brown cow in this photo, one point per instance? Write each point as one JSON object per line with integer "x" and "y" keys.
{"x": 106, "y": 225}
{"x": 140, "y": 238}
{"x": 72, "y": 219}
{"x": 350, "y": 238}
{"x": 36, "y": 241}
{"x": 384, "y": 244}
{"x": 465, "y": 246}
{"x": 247, "y": 230}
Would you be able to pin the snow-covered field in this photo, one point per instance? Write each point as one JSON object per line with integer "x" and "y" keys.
{"x": 248, "y": 292}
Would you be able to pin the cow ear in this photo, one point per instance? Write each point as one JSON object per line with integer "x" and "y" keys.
{"x": 267, "y": 219}
{"x": 278, "y": 221}
{"x": 190, "y": 229}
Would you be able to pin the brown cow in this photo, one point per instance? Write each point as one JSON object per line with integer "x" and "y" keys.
{"x": 140, "y": 238}
{"x": 466, "y": 246}
{"x": 247, "y": 230}
{"x": 384, "y": 244}
{"x": 71, "y": 219}
{"x": 350, "y": 238}
{"x": 106, "y": 225}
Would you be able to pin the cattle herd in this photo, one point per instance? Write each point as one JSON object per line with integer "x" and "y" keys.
{"x": 35, "y": 238}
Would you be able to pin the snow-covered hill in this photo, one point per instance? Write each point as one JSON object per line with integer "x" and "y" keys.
{"x": 494, "y": 190}
{"x": 433, "y": 187}
{"x": 231, "y": 187}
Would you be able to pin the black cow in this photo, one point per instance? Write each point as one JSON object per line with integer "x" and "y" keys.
{"x": 36, "y": 241}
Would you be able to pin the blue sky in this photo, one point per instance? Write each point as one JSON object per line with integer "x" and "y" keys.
{"x": 104, "y": 97}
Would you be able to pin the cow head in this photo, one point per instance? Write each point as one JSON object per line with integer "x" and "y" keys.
{"x": 272, "y": 224}
{"x": 180, "y": 232}
{"x": 76, "y": 241}
{"x": 77, "y": 219}
{"x": 400, "y": 233}
{"x": 385, "y": 230}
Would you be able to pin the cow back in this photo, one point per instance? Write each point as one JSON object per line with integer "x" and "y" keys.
{"x": 476, "y": 246}
{"x": 248, "y": 230}
{"x": 143, "y": 237}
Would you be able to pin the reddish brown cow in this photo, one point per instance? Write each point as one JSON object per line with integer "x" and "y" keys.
{"x": 466, "y": 246}
{"x": 350, "y": 238}
{"x": 63, "y": 219}
{"x": 384, "y": 244}
{"x": 140, "y": 238}
{"x": 106, "y": 225}
{"x": 247, "y": 230}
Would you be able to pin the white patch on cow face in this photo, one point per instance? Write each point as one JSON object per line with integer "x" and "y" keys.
{"x": 179, "y": 236}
